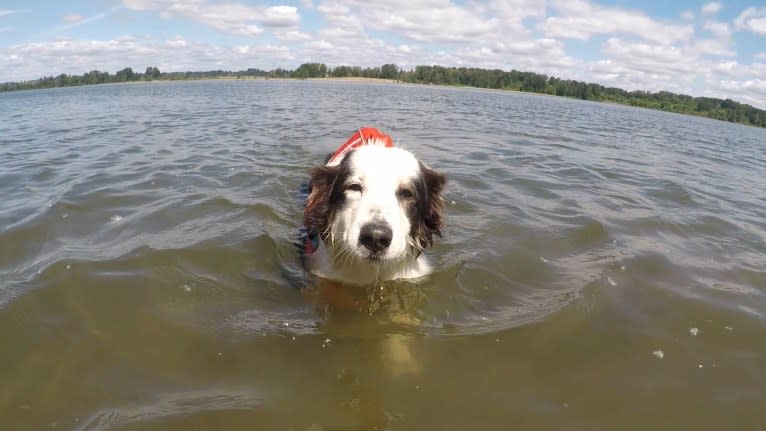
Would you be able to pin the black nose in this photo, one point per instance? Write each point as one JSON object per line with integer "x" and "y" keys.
{"x": 375, "y": 236}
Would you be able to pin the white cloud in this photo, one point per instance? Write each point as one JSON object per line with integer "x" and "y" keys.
{"x": 580, "y": 19}
{"x": 713, "y": 47}
{"x": 177, "y": 42}
{"x": 440, "y": 21}
{"x": 4, "y": 12}
{"x": 233, "y": 18}
{"x": 72, "y": 18}
{"x": 290, "y": 35}
{"x": 656, "y": 59}
{"x": 712, "y": 8}
{"x": 32, "y": 60}
{"x": 752, "y": 19}
{"x": 733, "y": 70}
{"x": 253, "y": 52}
{"x": 752, "y": 91}
{"x": 687, "y": 15}
{"x": 280, "y": 16}
{"x": 718, "y": 29}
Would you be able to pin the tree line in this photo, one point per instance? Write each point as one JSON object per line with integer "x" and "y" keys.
{"x": 727, "y": 110}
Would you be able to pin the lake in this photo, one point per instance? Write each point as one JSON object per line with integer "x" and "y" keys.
{"x": 603, "y": 267}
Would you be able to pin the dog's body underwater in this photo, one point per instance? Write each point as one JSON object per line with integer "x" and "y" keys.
{"x": 371, "y": 211}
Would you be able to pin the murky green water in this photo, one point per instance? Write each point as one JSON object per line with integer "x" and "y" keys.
{"x": 604, "y": 267}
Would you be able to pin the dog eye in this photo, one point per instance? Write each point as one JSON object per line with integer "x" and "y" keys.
{"x": 354, "y": 187}
{"x": 406, "y": 194}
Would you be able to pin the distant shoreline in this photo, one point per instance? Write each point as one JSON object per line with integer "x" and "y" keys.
{"x": 364, "y": 80}
{"x": 449, "y": 77}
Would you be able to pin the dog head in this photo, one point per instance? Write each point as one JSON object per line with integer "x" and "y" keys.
{"x": 378, "y": 205}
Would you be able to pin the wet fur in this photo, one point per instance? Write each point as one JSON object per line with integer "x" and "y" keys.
{"x": 424, "y": 210}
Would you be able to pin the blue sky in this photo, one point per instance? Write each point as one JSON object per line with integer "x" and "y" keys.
{"x": 714, "y": 49}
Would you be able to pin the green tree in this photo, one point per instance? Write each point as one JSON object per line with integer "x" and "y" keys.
{"x": 152, "y": 73}
{"x": 310, "y": 70}
{"x": 389, "y": 71}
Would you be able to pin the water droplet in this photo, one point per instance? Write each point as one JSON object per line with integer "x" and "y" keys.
{"x": 64, "y": 215}
{"x": 186, "y": 287}
{"x": 611, "y": 281}
{"x": 454, "y": 203}
{"x": 544, "y": 259}
{"x": 287, "y": 323}
{"x": 622, "y": 268}
{"x": 699, "y": 365}
{"x": 68, "y": 266}
{"x": 694, "y": 332}
{"x": 115, "y": 219}
{"x": 659, "y": 354}
{"x": 220, "y": 353}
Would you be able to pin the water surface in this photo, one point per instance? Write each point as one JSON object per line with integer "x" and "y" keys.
{"x": 603, "y": 266}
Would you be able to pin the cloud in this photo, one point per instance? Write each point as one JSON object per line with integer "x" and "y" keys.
{"x": 752, "y": 91}
{"x": 77, "y": 56}
{"x": 4, "y": 12}
{"x": 75, "y": 20}
{"x": 718, "y": 29}
{"x": 290, "y": 35}
{"x": 280, "y": 16}
{"x": 712, "y": 8}
{"x": 752, "y": 19}
{"x": 423, "y": 22}
{"x": 72, "y": 18}
{"x": 177, "y": 42}
{"x": 580, "y": 19}
{"x": 280, "y": 52}
{"x": 657, "y": 59}
{"x": 713, "y": 47}
{"x": 233, "y": 18}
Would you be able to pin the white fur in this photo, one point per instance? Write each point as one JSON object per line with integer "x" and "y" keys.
{"x": 380, "y": 172}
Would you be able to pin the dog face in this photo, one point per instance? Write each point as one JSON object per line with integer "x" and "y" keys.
{"x": 378, "y": 205}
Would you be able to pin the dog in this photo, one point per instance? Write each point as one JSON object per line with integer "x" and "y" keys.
{"x": 371, "y": 211}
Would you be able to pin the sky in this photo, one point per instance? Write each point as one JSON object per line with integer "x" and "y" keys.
{"x": 715, "y": 49}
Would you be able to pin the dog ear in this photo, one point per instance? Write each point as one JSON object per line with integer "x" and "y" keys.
{"x": 433, "y": 216}
{"x": 317, "y": 212}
